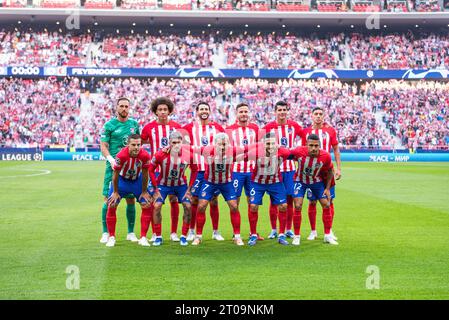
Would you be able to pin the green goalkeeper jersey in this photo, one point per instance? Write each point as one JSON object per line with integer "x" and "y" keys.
{"x": 116, "y": 133}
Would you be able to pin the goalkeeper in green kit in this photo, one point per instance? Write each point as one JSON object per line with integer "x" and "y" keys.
{"x": 114, "y": 137}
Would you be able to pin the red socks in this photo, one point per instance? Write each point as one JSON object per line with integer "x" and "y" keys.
{"x": 193, "y": 217}
{"x": 282, "y": 221}
{"x": 145, "y": 220}
{"x": 185, "y": 228}
{"x": 253, "y": 217}
{"x": 297, "y": 222}
{"x": 273, "y": 215}
{"x": 235, "y": 220}
{"x": 157, "y": 229}
{"x": 214, "y": 215}
{"x": 111, "y": 220}
{"x": 327, "y": 220}
{"x": 174, "y": 212}
{"x": 200, "y": 221}
{"x": 289, "y": 212}
{"x": 332, "y": 211}
{"x": 312, "y": 215}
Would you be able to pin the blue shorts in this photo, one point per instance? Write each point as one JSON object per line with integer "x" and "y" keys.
{"x": 276, "y": 191}
{"x": 242, "y": 180}
{"x": 316, "y": 189}
{"x": 198, "y": 185}
{"x": 210, "y": 190}
{"x": 312, "y": 197}
{"x": 178, "y": 191}
{"x": 287, "y": 180}
{"x": 127, "y": 187}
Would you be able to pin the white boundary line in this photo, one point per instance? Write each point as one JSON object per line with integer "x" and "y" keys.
{"x": 41, "y": 173}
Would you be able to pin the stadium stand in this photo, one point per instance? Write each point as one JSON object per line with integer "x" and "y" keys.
{"x": 375, "y": 114}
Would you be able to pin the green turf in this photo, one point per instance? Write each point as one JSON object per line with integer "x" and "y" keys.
{"x": 393, "y": 216}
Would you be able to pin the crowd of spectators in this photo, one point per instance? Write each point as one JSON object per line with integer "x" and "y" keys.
{"x": 47, "y": 111}
{"x": 262, "y": 50}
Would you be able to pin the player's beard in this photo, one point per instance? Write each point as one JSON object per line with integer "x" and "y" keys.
{"x": 204, "y": 116}
{"x": 123, "y": 115}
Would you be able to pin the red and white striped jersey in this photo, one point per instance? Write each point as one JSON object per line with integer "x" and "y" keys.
{"x": 172, "y": 168}
{"x": 157, "y": 134}
{"x": 287, "y": 135}
{"x": 202, "y": 136}
{"x": 129, "y": 167}
{"x": 311, "y": 169}
{"x": 242, "y": 137}
{"x": 267, "y": 169}
{"x": 327, "y": 134}
{"x": 219, "y": 167}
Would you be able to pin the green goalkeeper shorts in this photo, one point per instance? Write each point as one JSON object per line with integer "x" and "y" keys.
{"x": 107, "y": 182}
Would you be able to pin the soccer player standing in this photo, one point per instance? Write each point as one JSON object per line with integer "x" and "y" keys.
{"x": 287, "y": 133}
{"x": 313, "y": 163}
{"x": 243, "y": 133}
{"x": 130, "y": 177}
{"x": 114, "y": 137}
{"x": 201, "y": 133}
{"x": 172, "y": 181}
{"x": 157, "y": 133}
{"x": 328, "y": 142}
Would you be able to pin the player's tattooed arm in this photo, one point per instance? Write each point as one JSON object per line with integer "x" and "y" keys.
{"x": 115, "y": 197}
{"x": 145, "y": 195}
{"x": 328, "y": 182}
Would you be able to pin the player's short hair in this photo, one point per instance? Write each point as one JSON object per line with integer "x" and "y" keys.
{"x": 175, "y": 135}
{"x": 200, "y": 103}
{"x": 241, "y": 104}
{"x": 134, "y": 136}
{"x": 221, "y": 136}
{"x": 280, "y": 104}
{"x": 269, "y": 135}
{"x": 123, "y": 99}
{"x": 313, "y": 137}
{"x": 317, "y": 108}
{"x": 162, "y": 100}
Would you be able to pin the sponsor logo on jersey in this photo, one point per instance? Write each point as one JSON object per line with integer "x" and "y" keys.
{"x": 173, "y": 173}
{"x": 245, "y": 141}
{"x": 204, "y": 141}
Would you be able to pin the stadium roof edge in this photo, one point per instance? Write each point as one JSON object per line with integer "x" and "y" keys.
{"x": 195, "y": 17}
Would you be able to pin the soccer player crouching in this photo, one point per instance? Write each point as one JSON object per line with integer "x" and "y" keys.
{"x": 267, "y": 177}
{"x": 172, "y": 163}
{"x": 219, "y": 158}
{"x": 313, "y": 163}
{"x": 130, "y": 177}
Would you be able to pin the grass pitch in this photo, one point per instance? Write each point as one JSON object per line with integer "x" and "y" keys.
{"x": 391, "y": 216}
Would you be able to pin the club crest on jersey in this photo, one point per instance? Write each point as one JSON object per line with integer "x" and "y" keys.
{"x": 164, "y": 142}
{"x": 290, "y": 130}
{"x": 173, "y": 173}
{"x": 284, "y": 141}
{"x": 204, "y": 141}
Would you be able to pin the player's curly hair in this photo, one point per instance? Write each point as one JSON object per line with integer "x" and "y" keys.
{"x": 162, "y": 100}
